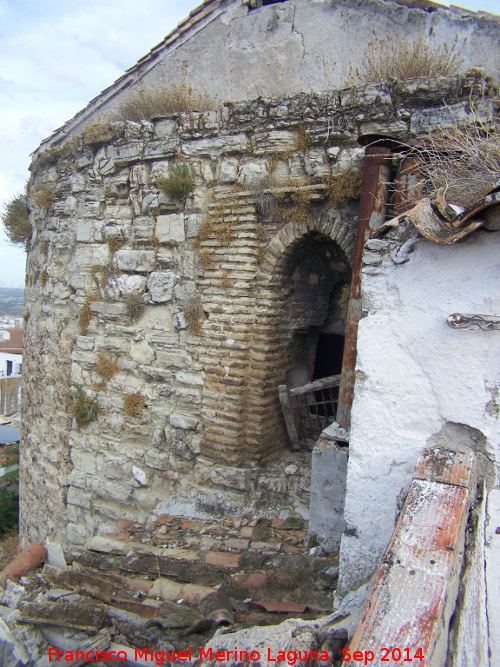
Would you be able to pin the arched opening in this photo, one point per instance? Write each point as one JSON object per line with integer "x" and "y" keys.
{"x": 299, "y": 328}
{"x": 315, "y": 278}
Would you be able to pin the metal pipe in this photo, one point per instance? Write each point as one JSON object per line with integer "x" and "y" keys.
{"x": 372, "y": 206}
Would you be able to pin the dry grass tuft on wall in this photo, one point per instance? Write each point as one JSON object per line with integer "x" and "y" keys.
{"x": 146, "y": 104}
{"x": 101, "y": 133}
{"x": 207, "y": 259}
{"x": 266, "y": 202}
{"x": 224, "y": 233}
{"x": 106, "y": 366}
{"x": 226, "y": 281}
{"x": 206, "y": 230}
{"x": 44, "y": 277}
{"x": 344, "y": 186}
{"x": 135, "y": 305}
{"x": 114, "y": 244}
{"x": 44, "y": 195}
{"x": 193, "y": 314}
{"x": 389, "y": 60}
{"x": 85, "y": 315}
{"x": 133, "y": 404}
{"x": 303, "y": 139}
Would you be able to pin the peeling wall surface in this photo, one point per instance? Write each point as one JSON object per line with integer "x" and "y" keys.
{"x": 235, "y": 52}
{"x": 414, "y": 375}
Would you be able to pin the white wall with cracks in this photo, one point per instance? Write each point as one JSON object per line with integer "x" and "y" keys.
{"x": 414, "y": 375}
{"x": 233, "y": 51}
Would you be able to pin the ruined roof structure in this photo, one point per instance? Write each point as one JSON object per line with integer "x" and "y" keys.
{"x": 189, "y": 270}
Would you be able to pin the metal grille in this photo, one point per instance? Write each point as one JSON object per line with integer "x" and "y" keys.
{"x": 308, "y": 410}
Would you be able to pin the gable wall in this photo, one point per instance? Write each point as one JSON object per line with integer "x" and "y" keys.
{"x": 236, "y": 53}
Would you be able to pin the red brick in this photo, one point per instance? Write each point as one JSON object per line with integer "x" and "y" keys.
{"x": 163, "y": 519}
{"x": 254, "y": 580}
{"x": 222, "y": 559}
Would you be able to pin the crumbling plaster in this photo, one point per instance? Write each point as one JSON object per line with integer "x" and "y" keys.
{"x": 414, "y": 374}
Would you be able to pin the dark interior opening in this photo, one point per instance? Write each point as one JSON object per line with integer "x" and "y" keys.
{"x": 329, "y": 353}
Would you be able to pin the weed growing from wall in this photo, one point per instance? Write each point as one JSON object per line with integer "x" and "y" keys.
{"x": 224, "y": 233}
{"x": 344, "y": 186}
{"x": 193, "y": 314}
{"x": 146, "y": 104}
{"x": 303, "y": 139}
{"x": 135, "y": 305}
{"x": 179, "y": 181}
{"x": 44, "y": 277}
{"x": 85, "y": 409}
{"x": 85, "y": 315}
{"x": 260, "y": 254}
{"x": 16, "y": 220}
{"x": 299, "y": 207}
{"x": 101, "y": 133}
{"x": 207, "y": 259}
{"x": 389, "y": 60}
{"x": 106, "y": 366}
{"x": 114, "y": 244}
{"x": 266, "y": 203}
{"x": 99, "y": 274}
{"x": 44, "y": 195}
{"x": 226, "y": 281}
{"x": 133, "y": 404}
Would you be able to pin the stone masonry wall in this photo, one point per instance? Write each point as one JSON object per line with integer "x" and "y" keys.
{"x": 188, "y": 419}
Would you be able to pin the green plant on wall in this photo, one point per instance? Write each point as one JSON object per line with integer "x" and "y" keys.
{"x": 16, "y": 220}
{"x": 179, "y": 181}
{"x": 85, "y": 409}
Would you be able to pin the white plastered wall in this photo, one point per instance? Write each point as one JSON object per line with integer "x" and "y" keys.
{"x": 414, "y": 374}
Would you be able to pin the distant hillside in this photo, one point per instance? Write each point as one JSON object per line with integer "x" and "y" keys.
{"x": 11, "y": 302}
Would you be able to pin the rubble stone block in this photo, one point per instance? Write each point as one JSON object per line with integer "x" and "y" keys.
{"x": 161, "y": 285}
{"x": 170, "y": 228}
{"x": 135, "y": 260}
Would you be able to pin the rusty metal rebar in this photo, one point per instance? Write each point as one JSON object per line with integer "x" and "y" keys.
{"x": 372, "y": 206}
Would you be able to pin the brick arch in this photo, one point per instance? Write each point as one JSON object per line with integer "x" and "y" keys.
{"x": 329, "y": 223}
{"x": 265, "y": 432}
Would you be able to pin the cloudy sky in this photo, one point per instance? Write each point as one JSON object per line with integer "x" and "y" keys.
{"x": 56, "y": 55}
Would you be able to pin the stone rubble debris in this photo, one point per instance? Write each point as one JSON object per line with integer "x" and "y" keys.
{"x": 172, "y": 585}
